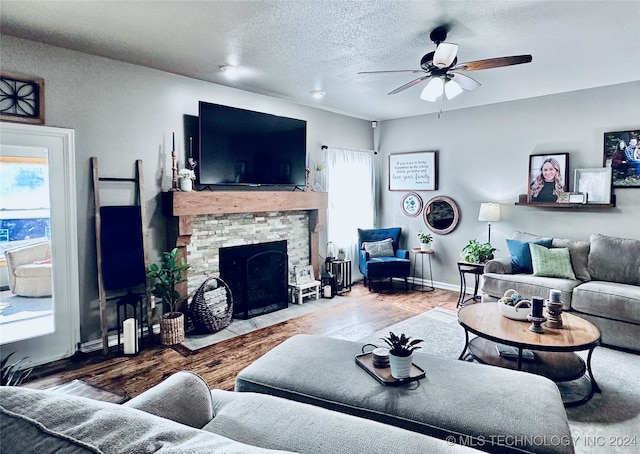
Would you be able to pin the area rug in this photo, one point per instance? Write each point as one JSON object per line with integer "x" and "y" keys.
{"x": 195, "y": 341}
{"x": 608, "y": 422}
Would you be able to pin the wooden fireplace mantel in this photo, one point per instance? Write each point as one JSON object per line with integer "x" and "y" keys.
{"x": 181, "y": 207}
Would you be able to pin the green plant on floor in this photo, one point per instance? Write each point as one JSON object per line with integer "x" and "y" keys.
{"x": 167, "y": 274}
{"x": 13, "y": 374}
{"x": 425, "y": 237}
{"x": 476, "y": 252}
{"x": 401, "y": 345}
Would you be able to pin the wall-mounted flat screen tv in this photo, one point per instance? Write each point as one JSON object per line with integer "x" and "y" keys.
{"x": 242, "y": 147}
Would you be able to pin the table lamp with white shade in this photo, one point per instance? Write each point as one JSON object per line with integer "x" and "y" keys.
{"x": 489, "y": 212}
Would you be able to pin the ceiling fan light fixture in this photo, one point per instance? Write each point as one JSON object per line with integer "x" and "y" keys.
{"x": 445, "y": 54}
{"x": 452, "y": 89}
{"x": 433, "y": 90}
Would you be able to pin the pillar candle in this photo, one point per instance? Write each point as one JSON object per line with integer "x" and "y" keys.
{"x": 130, "y": 329}
{"x": 327, "y": 291}
{"x": 536, "y": 309}
{"x": 554, "y": 296}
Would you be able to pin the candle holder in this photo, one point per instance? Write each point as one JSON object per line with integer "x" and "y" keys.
{"x": 174, "y": 171}
{"x": 536, "y": 324}
{"x": 554, "y": 314}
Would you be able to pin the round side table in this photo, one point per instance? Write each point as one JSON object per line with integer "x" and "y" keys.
{"x": 419, "y": 252}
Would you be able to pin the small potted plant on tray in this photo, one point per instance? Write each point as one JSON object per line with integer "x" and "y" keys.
{"x": 401, "y": 354}
{"x": 425, "y": 240}
{"x": 167, "y": 274}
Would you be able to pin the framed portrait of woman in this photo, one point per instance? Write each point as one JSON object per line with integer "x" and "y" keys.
{"x": 548, "y": 177}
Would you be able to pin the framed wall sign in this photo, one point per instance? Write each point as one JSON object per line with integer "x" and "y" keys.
{"x": 621, "y": 152}
{"x": 417, "y": 171}
{"x": 596, "y": 183}
{"x": 412, "y": 204}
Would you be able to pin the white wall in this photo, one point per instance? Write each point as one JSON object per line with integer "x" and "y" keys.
{"x": 122, "y": 112}
{"x": 483, "y": 156}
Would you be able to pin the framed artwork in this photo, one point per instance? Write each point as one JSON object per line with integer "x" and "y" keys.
{"x": 417, "y": 171}
{"x": 21, "y": 98}
{"x": 596, "y": 183}
{"x": 621, "y": 152}
{"x": 304, "y": 274}
{"x": 548, "y": 177}
{"x": 411, "y": 204}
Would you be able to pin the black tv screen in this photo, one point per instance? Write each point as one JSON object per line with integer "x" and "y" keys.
{"x": 242, "y": 147}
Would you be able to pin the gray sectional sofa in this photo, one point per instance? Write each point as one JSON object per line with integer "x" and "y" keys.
{"x": 181, "y": 415}
{"x": 605, "y": 290}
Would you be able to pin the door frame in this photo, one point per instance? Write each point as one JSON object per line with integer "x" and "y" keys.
{"x": 60, "y": 144}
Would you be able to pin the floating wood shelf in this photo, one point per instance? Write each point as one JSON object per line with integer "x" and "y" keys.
{"x": 571, "y": 206}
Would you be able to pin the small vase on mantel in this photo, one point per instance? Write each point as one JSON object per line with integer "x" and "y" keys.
{"x": 186, "y": 184}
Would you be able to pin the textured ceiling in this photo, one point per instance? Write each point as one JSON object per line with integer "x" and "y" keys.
{"x": 289, "y": 48}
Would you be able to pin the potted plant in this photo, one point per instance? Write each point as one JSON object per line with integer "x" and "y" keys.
{"x": 167, "y": 274}
{"x": 476, "y": 252}
{"x": 186, "y": 177}
{"x": 13, "y": 374}
{"x": 425, "y": 240}
{"x": 401, "y": 354}
{"x": 341, "y": 253}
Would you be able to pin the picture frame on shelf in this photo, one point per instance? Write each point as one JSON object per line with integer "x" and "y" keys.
{"x": 304, "y": 274}
{"x": 595, "y": 182}
{"x": 548, "y": 177}
{"x": 618, "y": 148}
{"x": 414, "y": 171}
{"x": 411, "y": 204}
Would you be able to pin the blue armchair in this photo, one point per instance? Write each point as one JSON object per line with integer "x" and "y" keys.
{"x": 380, "y": 258}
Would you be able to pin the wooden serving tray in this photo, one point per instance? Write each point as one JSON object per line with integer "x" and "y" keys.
{"x": 383, "y": 375}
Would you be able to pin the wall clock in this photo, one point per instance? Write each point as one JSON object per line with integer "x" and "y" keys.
{"x": 411, "y": 204}
{"x": 21, "y": 98}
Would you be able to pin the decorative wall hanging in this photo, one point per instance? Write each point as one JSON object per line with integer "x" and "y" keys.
{"x": 441, "y": 215}
{"x": 411, "y": 204}
{"x": 21, "y": 98}
{"x": 415, "y": 171}
{"x": 621, "y": 153}
{"x": 548, "y": 177}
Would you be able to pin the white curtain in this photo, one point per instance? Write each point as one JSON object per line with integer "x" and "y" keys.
{"x": 351, "y": 187}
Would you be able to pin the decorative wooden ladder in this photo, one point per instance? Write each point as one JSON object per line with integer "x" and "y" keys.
{"x": 141, "y": 202}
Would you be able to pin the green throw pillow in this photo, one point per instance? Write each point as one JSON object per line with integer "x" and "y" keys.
{"x": 553, "y": 262}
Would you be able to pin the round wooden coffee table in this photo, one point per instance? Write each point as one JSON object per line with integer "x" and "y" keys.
{"x": 553, "y": 351}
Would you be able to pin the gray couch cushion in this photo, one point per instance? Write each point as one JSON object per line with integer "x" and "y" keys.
{"x": 448, "y": 402}
{"x": 614, "y": 259}
{"x": 44, "y": 422}
{"x": 527, "y": 285}
{"x": 579, "y": 252}
{"x": 272, "y": 422}
{"x": 608, "y": 299}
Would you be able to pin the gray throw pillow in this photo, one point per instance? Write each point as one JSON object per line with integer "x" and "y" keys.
{"x": 382, "y": 248}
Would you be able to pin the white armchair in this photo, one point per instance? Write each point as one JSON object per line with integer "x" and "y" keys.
{"x": 29, "y": 269}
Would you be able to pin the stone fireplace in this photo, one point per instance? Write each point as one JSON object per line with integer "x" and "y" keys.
{"x": 203, "y": 222}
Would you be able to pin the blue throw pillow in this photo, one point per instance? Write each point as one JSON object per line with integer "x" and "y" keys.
{"x": 521, "y": 255}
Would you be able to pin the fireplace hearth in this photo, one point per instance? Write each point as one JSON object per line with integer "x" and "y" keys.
{"x": 257, "y": 275}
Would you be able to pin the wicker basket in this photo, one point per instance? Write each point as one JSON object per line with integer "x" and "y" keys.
{"x": 172, "y": 328}
{"x": 211, "y": 308}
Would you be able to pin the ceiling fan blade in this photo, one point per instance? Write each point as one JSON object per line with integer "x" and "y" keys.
{"x": 493, "y": 63}
{"x": 465, "y": 82}
{"x": 445, "y": 55}
{"x": 409, "y": 84}
{"x": 394, "y": 71}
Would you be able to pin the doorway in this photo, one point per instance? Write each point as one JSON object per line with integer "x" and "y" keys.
{"x": 41, "y": 215}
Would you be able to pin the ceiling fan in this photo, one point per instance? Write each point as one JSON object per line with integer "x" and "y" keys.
{"x": 442, "y": 71}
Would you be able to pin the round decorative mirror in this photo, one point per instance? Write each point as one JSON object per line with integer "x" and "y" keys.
{"x": 441, "y": 215}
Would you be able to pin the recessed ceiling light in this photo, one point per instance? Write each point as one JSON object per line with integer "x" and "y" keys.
{"x": 317, "y": 94}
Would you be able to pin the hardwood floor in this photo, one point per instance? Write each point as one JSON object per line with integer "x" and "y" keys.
{"x": 363, "y": 313}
